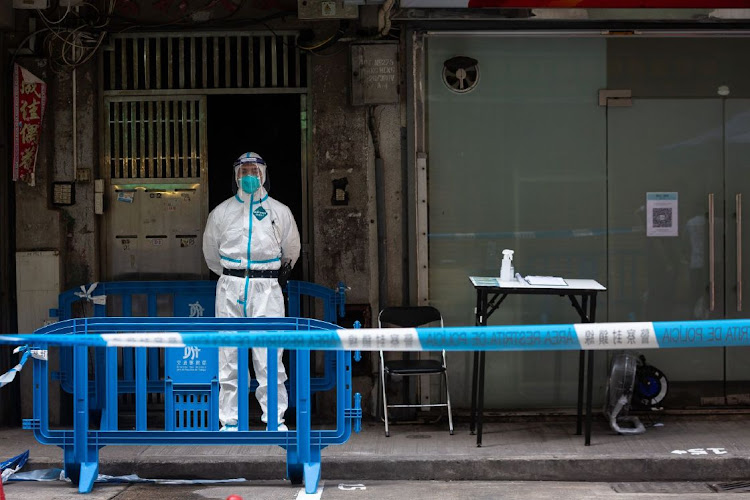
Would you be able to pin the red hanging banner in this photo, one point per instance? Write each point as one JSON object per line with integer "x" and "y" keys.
{"x": 29, "y": 99}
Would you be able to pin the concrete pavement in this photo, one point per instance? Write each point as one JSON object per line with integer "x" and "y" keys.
{"x": 679, "y": 448}
{"x": 384, "y": 490}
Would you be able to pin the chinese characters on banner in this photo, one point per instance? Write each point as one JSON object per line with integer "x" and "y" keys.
{"x": 29, "y": 99}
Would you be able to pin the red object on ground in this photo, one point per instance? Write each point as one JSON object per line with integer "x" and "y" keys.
{"x": 2, "y": 495}
{"x": 230, "y": 497}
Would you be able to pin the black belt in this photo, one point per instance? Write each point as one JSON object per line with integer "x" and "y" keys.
{"x": 252, "y": 273}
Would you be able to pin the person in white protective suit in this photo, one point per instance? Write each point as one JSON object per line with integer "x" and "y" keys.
{"x": 246, "y": 241}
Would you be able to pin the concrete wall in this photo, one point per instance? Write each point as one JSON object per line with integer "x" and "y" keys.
{"x": 345, "y": 245}
{"x": 395, "y": 198}
{"x": 343, "y": 236}
{"x": 37, "y": 224}
{"x": 7, "y": 19}
{"x": 78, "y": 222}
{"x": 69, "y": 230}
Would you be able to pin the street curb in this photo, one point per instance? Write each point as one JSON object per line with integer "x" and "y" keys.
{"x": 601, "y": 469}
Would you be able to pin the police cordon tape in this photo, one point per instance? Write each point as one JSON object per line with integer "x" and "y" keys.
{"x": 7, "y": 377}
{"x": 562, "y": 337}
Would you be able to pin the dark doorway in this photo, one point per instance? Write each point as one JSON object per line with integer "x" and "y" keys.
{"x": 265, "y": 124}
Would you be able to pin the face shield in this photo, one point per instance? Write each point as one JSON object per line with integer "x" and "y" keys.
{"x": 249, "y": 173}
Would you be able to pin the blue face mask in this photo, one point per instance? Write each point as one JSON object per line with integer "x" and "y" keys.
{"x": 249, "y": 184}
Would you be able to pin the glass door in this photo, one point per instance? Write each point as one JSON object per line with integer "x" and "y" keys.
{"x": 666, "y": 199}
{"x": 737, "y": 159}
{"x": 517, "y": 162}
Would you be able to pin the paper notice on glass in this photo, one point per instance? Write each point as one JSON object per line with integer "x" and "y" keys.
{"x": 545, "y": 281}
{"x": 661, "y": 214}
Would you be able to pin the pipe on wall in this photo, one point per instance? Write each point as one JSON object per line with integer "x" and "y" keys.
{"x": 380, "y": 211}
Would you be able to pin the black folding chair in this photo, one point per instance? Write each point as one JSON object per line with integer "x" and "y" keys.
{"x": 412, "y": 317}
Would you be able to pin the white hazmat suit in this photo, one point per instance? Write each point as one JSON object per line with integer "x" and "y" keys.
{"x": 250, "y": 231}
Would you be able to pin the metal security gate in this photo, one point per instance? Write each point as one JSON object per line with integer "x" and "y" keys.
{"x": 242, "y": 61}
{"x": 155, "y": 152}
{"x": 155, "y": 138}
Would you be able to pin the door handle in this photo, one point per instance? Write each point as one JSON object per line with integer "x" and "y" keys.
{"x": 738, "y": 223}
{"x": 711, "y": 255}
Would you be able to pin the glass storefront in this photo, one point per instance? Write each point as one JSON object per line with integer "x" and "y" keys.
{"x": 529, "y": 160}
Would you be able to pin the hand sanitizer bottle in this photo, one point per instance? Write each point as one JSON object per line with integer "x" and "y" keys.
{"x": 506, "y": 269}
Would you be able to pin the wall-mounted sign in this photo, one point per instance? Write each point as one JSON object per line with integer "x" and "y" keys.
{"x": 375, "y": 76}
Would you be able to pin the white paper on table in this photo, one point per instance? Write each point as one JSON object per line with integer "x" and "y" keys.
{"x": 545, "y": 280}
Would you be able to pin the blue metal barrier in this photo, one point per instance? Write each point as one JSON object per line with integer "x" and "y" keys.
{"x": 304, "y": 445}
{"x": 191, "y": 393}
{"x": 177, "y": 299}
{"x": 197, "y": 425}
{"x": 188, "y": 299}
{"x": 333, "y": 308}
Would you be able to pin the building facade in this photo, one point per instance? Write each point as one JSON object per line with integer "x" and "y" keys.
{"x": 413, "y": 143}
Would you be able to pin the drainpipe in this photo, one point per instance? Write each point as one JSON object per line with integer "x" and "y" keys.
{"x": 380, "y": 212}
{"x": 75, "y": 124}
